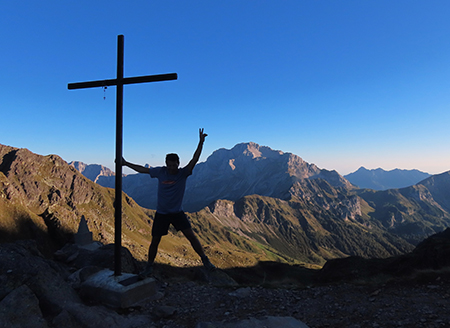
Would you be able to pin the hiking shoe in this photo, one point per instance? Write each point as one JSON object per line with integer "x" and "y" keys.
{"x": 147, "y": 272}
{"x": 207, "y": 264}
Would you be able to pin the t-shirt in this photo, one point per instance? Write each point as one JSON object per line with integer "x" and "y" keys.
{"x": 170, "y": 188}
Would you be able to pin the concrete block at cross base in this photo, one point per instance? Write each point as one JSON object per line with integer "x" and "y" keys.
{"x": 118, "y": 291}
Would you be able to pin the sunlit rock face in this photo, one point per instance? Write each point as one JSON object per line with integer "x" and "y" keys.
{"x": 248, "y": 169}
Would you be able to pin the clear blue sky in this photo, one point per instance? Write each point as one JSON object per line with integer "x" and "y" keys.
{"x": 342, "y": 84}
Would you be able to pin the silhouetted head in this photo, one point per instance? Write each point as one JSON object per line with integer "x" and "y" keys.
{"x": 172, "y": 163}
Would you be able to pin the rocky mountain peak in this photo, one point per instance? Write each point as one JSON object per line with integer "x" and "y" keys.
{"x": 290, "y": 163}
{"x": 247, "y": 150}
{"x": 256, "y": 151}
{"x": 250, "y": 151}
{"x": 247, "y": 169}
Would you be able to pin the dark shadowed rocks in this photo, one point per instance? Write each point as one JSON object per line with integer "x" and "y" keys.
{"x": 433, "y": 254}
{"x": 36, "y": 292}
{"x": 20, "y": 308}
{"x": 45, "y": 293}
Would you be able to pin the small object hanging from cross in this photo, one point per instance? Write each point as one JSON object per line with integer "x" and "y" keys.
{"x": 119, "y": 83}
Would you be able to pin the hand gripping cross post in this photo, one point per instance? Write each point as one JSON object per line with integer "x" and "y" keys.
{"x": 119, "y": 83}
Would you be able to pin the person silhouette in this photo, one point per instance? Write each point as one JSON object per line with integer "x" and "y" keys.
{"x": 171, "y": 188}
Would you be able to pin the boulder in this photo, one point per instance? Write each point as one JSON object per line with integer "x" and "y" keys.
{"x": 267, "y": 322}
{"x": 20, "y": 308}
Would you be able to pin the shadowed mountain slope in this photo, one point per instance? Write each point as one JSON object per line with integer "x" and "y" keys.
{"x": 413, "y": 212}
{"x": 304, "y": 231}
{"x": 439, "y": 187}
{"x": 428, "y": 261}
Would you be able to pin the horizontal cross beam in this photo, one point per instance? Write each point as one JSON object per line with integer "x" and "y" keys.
{"x": 126, "y": 80}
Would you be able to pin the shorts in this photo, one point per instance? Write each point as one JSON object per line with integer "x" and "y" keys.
{"x": 162, "y": 222}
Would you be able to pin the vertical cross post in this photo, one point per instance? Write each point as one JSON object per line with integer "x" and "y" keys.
{"x": 119, "y": 82}
{"x": 119, "y": 148}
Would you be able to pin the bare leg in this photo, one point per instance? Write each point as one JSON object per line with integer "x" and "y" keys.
{"x": 152, "y": 251}
{"x": 189, "y": 234}
{"x": 153, "y": 248}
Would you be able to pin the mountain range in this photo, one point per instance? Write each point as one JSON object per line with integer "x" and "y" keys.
{"x": 250, "y": 169}
{"x": 246, "y": 169}
{"x": 249, "y": 203}
{"x": 380, "y": 179}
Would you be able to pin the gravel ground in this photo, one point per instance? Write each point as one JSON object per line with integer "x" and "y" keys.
{"x": 404, "y": 304}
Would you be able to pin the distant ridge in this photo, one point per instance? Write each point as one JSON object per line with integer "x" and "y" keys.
{"x": 379, "y": 179}
{"x": 92, "y": 171}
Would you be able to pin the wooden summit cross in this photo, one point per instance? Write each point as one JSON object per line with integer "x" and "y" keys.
{"x": 119, "y": 82}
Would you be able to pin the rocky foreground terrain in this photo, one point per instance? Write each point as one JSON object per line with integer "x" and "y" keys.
{"x": 408, "y": 291}
{"x": 185, "y": 304}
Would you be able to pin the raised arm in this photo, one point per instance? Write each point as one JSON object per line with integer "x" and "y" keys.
{"x": 136, "y": 167}
{"x": 198, "y": 151}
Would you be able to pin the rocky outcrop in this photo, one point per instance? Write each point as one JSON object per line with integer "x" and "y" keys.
{"x": 47, "y": 186}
